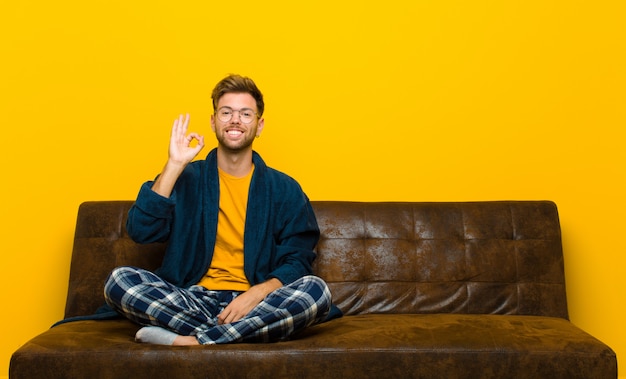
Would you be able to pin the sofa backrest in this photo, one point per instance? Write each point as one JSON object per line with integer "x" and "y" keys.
{"x": 480, "y": 257}
{"x": 101, "y": 244}
{"x": 467, "y": 257}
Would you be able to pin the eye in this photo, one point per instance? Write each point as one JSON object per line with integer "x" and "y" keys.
{"x": 247, "y": 113}
{"x": 226, "y": 112}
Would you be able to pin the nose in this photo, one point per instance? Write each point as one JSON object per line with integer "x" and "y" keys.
{"x": 237, "y": 119}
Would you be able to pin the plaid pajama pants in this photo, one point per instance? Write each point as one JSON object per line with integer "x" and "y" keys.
{"x": 146, "y": 299}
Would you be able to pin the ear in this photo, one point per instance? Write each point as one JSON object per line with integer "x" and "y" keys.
{"x": 213, "y": 122}
{"x": 259, "y": 127}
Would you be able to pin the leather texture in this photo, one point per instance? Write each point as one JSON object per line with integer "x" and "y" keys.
{"x": 428, "y": 290}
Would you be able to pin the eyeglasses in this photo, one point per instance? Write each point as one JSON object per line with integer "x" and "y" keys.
{"x": 246, "y": 115}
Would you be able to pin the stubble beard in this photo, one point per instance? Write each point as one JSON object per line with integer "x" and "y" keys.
{"x": 235, "y": 148}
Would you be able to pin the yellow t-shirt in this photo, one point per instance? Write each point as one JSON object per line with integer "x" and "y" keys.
{"x": 226, "y": 269}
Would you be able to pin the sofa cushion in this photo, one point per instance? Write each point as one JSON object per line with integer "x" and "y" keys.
{"x": 361, "y": 346}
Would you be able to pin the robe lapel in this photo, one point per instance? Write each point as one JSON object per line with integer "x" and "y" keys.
{"x": 210, "y": 207}
{"x": 257, "y": 215}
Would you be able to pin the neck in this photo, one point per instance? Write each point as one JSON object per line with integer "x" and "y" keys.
{"x": 237, "y": 164}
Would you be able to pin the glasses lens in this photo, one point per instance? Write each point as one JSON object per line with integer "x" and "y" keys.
{"x": 246, "y": 115}
{"x": 224, "y": 114}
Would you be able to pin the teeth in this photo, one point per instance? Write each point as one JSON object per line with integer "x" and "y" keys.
{"x": 235, "y": 132}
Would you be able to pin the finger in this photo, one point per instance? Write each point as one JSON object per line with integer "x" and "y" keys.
{"x": 230, "y": 319}
{"x": 184, "y": 121}
{"x": 176, "y": 128}
{"x": 189, "y": 138}
{"x": 199, "y": 145}
{"x": 196, "y": 136}
{"x": 222, "y": 317}
{"x": 234, "y": 318}
{"x": 180, "y": 128}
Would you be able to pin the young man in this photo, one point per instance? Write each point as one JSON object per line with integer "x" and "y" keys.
{"x": 240, "y": 239}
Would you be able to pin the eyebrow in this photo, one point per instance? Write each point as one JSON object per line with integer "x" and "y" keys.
{"x": 233, "y": 109}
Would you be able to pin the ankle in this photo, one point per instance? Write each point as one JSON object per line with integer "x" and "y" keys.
{"x": 185, "y": 341}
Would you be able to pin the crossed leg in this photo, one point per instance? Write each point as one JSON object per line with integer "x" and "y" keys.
{"x": 189, "y": 316}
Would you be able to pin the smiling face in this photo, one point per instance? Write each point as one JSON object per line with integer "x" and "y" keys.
{"x": 234, "y": 135}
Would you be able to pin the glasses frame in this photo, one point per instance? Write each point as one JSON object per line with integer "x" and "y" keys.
{"x": 217, "y": 114}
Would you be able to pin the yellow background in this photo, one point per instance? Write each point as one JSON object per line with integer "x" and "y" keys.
{"x": 423, "y": 100}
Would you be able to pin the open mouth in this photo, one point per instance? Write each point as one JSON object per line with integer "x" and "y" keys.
{"x": 234, "y": 132}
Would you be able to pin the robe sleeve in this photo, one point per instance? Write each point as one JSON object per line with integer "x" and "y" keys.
{"x": 149, "y": 219}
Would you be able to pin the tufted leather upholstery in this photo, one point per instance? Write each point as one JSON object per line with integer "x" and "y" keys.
{"x": 451, "y": 290}
{"x": 489, "y": 258}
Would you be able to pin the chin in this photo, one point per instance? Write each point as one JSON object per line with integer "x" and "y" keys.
{"x": 234, "y": 149}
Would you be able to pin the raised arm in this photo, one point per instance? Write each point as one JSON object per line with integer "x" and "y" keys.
{"x": 181, "y": 152}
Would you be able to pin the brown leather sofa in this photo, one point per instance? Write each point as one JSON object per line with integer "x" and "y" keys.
{"x": 429, "y": 290}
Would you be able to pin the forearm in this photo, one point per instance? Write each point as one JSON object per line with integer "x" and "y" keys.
{"x": 258, "y": 292}
{"x": 267, "y": 287}
{"x": 164, "y": 183}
